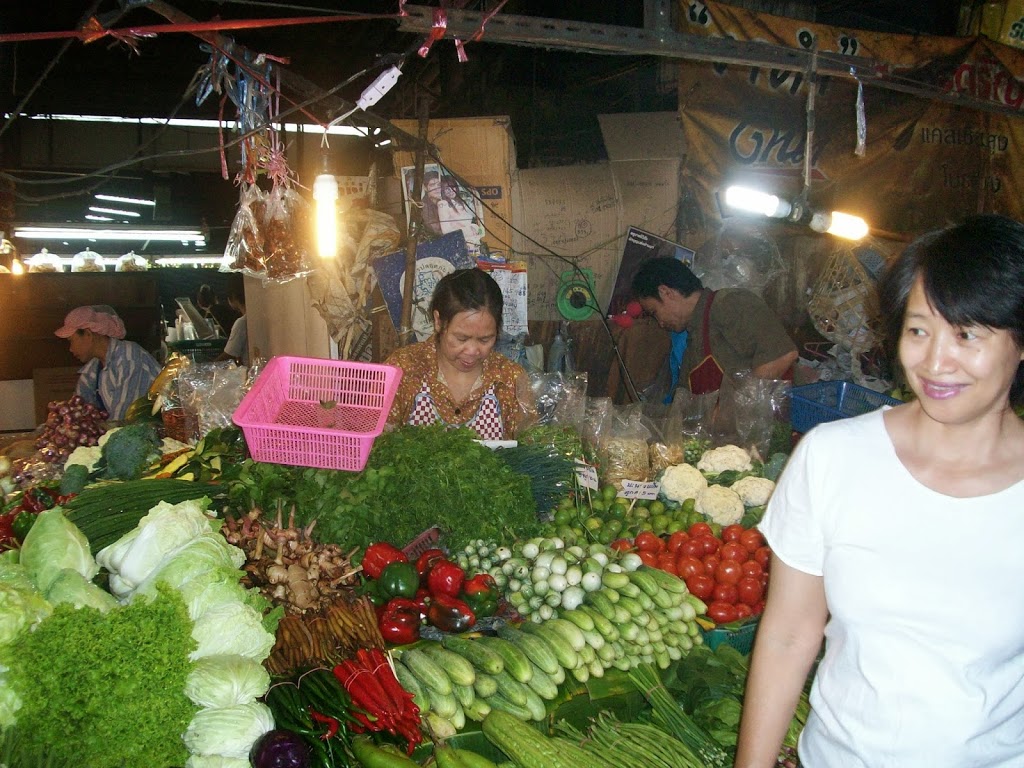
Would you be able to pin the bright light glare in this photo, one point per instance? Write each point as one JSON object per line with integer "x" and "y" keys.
{"x": 753, "y": 201}
{"x": 840, "y": 224}
{"x": 125, "y": 200}
{"x": 85, "y": 233}
{"x": 113, "y": 211}
{"x": 325, "y": 193}
{"x": 17, "y": 268}
{"x": 227, "y": 125}
{"x": 90, "y": 217}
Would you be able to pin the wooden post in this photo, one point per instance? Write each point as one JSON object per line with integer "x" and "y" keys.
{"x": 405, "y": 332}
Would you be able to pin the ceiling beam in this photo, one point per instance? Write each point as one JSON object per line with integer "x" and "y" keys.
{"x": 657, "y": 39}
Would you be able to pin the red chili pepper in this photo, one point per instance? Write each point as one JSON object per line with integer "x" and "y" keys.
{"x": 331, "y": 723}
{"x": 365, "y": 692}
{"x": 380, "y": 555}
{"x": 400, "y": 621}
{"x": 445, "y": 578}
{"x": 427, "y": 560}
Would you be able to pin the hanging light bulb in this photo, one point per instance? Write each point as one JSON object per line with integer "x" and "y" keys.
{"x": 325, "y": 194}
{"x": 17, "y": 268}
{"x": 840, "y": 224}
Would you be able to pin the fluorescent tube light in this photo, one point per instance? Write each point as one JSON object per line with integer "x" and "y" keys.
{"x": 91, "y": 217}
{"x": 337, "y": 130}
{"x": 110, "y": 233}
{"x": 753, "y": 201}
{"x": 113, "y": 211}
{"x": 196, "y": 261}
{"x": 125, "y": 200}
{"x": 840, "y": 224}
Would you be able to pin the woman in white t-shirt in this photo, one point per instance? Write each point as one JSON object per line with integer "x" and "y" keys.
{"x": 897, "y": 536}
{"x": 237, "y": 346}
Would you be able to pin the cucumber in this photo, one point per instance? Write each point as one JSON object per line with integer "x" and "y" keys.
{"x": 564, "y": 652}
{"x": 444, "y": 704}
{"x": 372, "y": 756}
{"x": 580, "y": 618}
{"x": 473, "y": 760}
{"x": 514, "y": 661}
{"x": 427, "y": 671}
{"x": 408, "y": 681}
{"x": 601, "y": 604}
{"x": 543, "y": 685}
{"x": 666, "y": 581}
{"x": 511, "y": 689}
{"x": 458, "y": 669}
{"x": 572, "y": 634}
{"x": 601, "y": 623}
{"x": 477, "y": 653}
{"x": 595, "y": 640}
{"x": 631, "y": 605}
{"x": 500, "y": 703}
{"x": 485, "y": 686}
{"x": 646, "y": 582}
{"x": 614, "y": 580}
{"x": 478, "y": 710}
{"x": 536, "y": 648}
{"x": 465, "y": 694}
{"x": 535, "y": 705}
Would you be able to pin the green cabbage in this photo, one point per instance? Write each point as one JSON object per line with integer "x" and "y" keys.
{"x": 228, "y": 731}
{"x": 223, "y": 681}
{"x": 22, "y": 606}
{"x": 71, "y": 587}
{"x": 52, "y": 544}
{"x": 165, "y": 528}
{"x": 232, "y": 628}
{"x": 204, "y": 559}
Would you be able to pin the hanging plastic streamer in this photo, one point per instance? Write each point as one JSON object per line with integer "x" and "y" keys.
{"x": 862, "y": 123}
{"x": 437, "y": 29}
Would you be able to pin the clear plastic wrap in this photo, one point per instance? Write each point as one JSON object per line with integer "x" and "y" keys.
{"x": 287, "y": 230}
{"x": 131, "y": 262}
{"x": 761, "y": 408}
{"x": 623, "y": 446}
{"x": 245, "y": 247}
{"x": 87, "y": 261}
{"x": 211, "y": 392}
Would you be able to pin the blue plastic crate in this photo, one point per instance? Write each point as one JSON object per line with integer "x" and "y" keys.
{"x": 833, "y": 400}
{"x": 740, "y": 635}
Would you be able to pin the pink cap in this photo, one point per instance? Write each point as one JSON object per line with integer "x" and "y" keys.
{"x": 99, "y": 318}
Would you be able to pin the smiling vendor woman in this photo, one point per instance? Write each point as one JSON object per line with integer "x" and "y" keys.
{"x": 116, "y": 372}
{"x": 455, "y": 377}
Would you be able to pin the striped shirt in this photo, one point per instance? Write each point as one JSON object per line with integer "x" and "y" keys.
{"x": 124, "y": 378}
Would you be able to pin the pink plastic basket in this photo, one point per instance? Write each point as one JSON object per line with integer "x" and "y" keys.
{"x": 312, "y": 412}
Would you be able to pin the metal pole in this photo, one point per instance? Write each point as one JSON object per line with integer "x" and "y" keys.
{"x": 405, "y": 332}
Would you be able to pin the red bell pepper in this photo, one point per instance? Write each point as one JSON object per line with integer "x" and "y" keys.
{"x": 427, "y": 560}
{"x": 449, "y": 614}
{"x": 445, "y": 578}
{"x": 399, "y": 621}
{"x": 378, "y": 556}
{"x": 481, "y": 582}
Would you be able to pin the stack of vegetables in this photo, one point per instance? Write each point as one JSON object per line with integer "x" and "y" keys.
{"x": 165, "y": 669}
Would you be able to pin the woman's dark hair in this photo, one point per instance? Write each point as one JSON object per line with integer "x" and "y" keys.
{"x": 667, "y": 271}
{"x": 466, "y": 290}
{"x": 972, "y": 274}
{"x": 205, "y": 298}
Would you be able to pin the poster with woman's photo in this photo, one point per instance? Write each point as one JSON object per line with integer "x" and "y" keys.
{"x": 445, "y": 205}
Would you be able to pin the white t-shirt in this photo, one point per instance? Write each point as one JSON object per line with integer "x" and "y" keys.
{"x": 924, "y": 660}
{"x": 237, "y": 344}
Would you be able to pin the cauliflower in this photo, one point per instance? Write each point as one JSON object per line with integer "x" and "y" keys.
{"x": 725, "y": 458}
{"x": 720, "y": 505}
{"x": 86, "y": 455}
{"x": 754, "y": 491}
{"x": 682, "y": 482}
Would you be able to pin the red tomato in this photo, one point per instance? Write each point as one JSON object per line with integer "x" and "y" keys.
{"x": 711, "y": 564}
{"x": 722, "y": 613}
{"x": 621, "y": 545}
{"x": 648, "y": 558}
{"x": 710, "y": 544}
{"x": 763, "y": 555}
{"x": 728, "y": 572}
{"x": 733, "y": 550}
{"x": 646, "y": 541}
{"x": 692, "y": 548}
{"x": 750, "y": 590}
{"x": 752, "y": 568}
{"x": 751, "y": 539}
{"x": 757, "y": 608}
{"x": 676, "y": 540}
{"x": 701, "y": 586}
{"x": 687, "y": 566}
{"x": 725, "y": 593}
{"x": 743, "y": 611}
{"x": 700, "y": 529}
{"x": 732, "y": 532}
{"x": 667, "y": 562}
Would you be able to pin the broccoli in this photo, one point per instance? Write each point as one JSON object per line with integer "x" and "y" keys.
{"x": 75, "y": 478}
{"x": 129, "y": 451}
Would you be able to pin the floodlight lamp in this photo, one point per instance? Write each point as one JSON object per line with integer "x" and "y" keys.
{"x": 325, "y": 193}
{"x": 755, "y": 201}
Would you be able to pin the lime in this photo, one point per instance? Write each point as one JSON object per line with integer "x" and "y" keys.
{"x": 593, "y": 523}
{"x": 641, "y": 513}
{"x": 645, "y": 526}
{"x": 689, "y": 505}
{"x": 605, "y": 536}
{"x": 564, "y": 516}
{"x": 567, "y": 502}
{"x": 660, "y": 523}
{"x": 598, "y": 505}
{"x": 676, "y": 525}
{"x": 657, "y": 507}
{"x": 609, "y": 492}
{"x": 614, "y": 527}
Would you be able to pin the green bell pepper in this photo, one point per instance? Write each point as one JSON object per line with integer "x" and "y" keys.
{"x": 398, "y": 579}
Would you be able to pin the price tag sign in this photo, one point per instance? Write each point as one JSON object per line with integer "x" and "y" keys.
{"x": 587, "y": 475}
{"x": 634, "y": 489}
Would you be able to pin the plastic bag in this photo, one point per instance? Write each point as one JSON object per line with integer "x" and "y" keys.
{"x": 623, "y": 446}
{"x": 245, "y": 247}
{"x": 761, "y": 408}
{"x": 211, "y": 392}
{"x": 287, "y": 229}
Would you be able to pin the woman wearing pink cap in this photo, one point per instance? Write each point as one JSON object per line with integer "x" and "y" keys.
{"x": 116, "y": 372}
